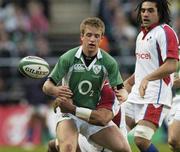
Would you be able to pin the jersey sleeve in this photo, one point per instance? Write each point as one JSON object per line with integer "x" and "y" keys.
{"x": 113, "y": 73}
{"x": 108, "y": 100}
{"x": 168, "y": 43}
{"x": 59, "y": 71}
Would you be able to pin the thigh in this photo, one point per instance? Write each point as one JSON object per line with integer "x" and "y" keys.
{"x": 174, "y": 131}
{"x": 67, "y": 132}
{"x": 176, "y": 108}
{"x": 129, "y": 114}
{"x": 154, "y": 113}
{"x": 111, "y": 138}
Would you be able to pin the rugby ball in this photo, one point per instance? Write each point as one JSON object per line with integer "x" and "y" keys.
{"x": 33, "y": 67}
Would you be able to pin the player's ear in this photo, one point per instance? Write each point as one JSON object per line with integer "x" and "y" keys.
{"x": 81, "y": 36}
{"x": 102, "y": 37}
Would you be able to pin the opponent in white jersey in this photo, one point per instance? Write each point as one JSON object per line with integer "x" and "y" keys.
{"x": 174, "y": 116}
{"x": 156, "y": 59}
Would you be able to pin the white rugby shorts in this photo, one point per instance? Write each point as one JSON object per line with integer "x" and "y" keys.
{"x": 154, "y": 113}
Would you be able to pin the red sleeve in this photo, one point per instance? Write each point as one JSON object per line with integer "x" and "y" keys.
{"x": 107, "y": 98}
{"x": 172, "y": 43}
{"x": 117, "y": 118}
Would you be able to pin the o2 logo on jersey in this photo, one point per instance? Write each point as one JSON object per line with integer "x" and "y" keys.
{"x": 96, "y": 68}
{"x": 85, "y": 87}
{"x": 79, "y": 67}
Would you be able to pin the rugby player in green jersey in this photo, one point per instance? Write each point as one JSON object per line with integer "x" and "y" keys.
{"x": 105, "y": 111}
{"x": 83, "y": 70}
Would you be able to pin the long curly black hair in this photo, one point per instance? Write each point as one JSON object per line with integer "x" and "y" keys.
{"x": 162, "y": 7}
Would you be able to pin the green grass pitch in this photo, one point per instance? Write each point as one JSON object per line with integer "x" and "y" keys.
{"x": 161, "y": 148}
{"x": 159, "y": 139}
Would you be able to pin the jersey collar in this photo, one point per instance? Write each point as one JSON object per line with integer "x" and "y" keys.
{"x": 79, "y": 52}
{"x": 146, "y": 30}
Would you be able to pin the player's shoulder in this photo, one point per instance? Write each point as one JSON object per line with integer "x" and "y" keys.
{"x": 107, "y": 58}
{"x": 70, "y": 53}
{"x": 68, "y": 57}
{"x": 165, "y": 29}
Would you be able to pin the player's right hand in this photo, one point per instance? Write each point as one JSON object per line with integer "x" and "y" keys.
{"x": 143, "y": 87}
{"x": 121, "y": 94}
{"x": 65, "y": 105}
{"x": 57, "y": 102}
{"x": 62, "y": 91}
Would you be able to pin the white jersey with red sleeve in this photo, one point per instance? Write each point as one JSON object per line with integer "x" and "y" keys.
{"x": 152, "y": 49}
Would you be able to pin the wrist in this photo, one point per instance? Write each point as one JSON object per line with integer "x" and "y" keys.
{"x": 120, "y": 86}
{"x": 83, "y": 113}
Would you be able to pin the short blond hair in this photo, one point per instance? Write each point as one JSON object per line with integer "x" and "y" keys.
{"x": 93, "y": 22}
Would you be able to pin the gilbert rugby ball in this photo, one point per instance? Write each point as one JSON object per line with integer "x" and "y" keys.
{"x": 33, "y": 67}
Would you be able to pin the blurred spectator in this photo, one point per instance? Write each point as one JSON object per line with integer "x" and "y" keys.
{"x": 124, "y": 32}
{"x": 7, "y": 47}
{"x": 129, "y": 10}
{"x": 24, "y": 46}
{"x": 23, "y": 4}
{"x": 106, "y": 12}
{"x": 119, "y": 29}
{"x": 39, "y": 22}
{"x": 15, "y": 18}
{"x": 41, "y": 46}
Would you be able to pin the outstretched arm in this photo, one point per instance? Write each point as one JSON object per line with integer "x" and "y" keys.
{"x": 51, "y": 89}
{"x": 99, "y": 117}
{"x": 107, "y": 107}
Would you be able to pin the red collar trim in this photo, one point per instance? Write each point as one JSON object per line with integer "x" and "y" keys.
{"x": 145, "y": 30}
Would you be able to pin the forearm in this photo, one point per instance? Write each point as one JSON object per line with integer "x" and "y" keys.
{"x": 97, "y": 117}
{"x": 48, "y": 88}
{"x": 129, "y": 83}
{"x": 101, "y": 117}
{"x": 163, "y": 71}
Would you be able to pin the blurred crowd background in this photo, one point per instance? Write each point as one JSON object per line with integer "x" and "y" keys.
{"x": 48, "y": 28}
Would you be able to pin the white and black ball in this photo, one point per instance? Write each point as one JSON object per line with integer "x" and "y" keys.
{"x": 34, "y": 67}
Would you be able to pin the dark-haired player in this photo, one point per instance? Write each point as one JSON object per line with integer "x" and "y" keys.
{"x": 156, "y": 59}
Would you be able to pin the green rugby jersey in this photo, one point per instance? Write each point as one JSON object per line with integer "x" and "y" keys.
{"x": 86, "y": 82}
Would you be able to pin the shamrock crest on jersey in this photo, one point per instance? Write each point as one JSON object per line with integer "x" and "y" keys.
{"x": 97, "y": 68}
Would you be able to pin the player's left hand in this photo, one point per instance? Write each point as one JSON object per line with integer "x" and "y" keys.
{"x": 143, "y": 87}
{"x": 121, "y": 94}
{"x": 57, "y": 102}
{"x": 65, "y": 105}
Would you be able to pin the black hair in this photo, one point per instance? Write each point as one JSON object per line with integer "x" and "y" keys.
{"x": 162, "y": 7}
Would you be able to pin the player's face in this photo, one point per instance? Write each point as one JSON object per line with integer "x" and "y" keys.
{"x": 91, "y": 40}
{"x": 149, "y": 14}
